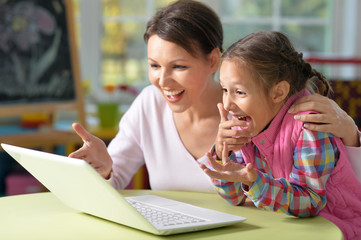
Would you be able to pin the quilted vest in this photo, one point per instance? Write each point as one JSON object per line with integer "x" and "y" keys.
{"x": 343, "y": 189}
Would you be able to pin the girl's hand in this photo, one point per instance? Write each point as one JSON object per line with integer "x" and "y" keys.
{"x": 230, "y": 171}
{"x": 228, "y": 132}
{"x": 331, "y": 118}
{"x": 93, "y": 151}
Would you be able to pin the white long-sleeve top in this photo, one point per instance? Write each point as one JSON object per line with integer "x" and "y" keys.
{"x": 148, "y": 135}
{"x": 354, "y": 154}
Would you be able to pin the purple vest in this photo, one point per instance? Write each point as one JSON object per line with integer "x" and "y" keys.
{"x": 343, "y": 189}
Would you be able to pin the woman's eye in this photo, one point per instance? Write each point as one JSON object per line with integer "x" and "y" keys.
{"x": 180, "y": 67}
{"x": 154, "y": 65}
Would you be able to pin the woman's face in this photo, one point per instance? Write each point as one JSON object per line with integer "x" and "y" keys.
{"x": 181, "y": 77}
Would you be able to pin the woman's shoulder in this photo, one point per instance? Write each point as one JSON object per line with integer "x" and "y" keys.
{"x": 149, "y": 101}
{"x": 150, "y": 90}
{"x": 151, "y": 94}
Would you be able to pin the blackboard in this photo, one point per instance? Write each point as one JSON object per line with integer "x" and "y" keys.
{"x": 38, "y": 61}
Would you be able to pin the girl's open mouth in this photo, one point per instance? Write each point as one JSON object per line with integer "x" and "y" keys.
{"x": 242, "y": 118}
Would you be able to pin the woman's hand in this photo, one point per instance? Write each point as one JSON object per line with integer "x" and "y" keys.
{"x": 230, "y": 171}
{"x": 331, "y": 118}
{"x": 93, "y": 151}
{"x": 236, "y": 133}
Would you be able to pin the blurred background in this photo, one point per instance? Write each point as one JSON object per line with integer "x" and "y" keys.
{"x": 112, "y": 64}
{"x": 112, "y": 50}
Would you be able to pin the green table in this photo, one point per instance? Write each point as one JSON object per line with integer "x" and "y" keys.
{"x": 43, "y": 216}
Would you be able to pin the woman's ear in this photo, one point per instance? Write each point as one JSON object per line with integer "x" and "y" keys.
{"x": 280, "y": 91}
{"x": 215, "y": 59}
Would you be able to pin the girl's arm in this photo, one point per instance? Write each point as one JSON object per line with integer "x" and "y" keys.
{"x": 221, "y": 173}
{"x": 303, "y": 193}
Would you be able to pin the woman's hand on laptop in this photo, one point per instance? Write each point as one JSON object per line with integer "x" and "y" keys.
{"x": 93, "y": 151}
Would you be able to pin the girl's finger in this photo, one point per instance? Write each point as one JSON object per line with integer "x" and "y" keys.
{"x": 216, "y": 166}
{"x": 225, "y": 153}
{"x": 222, "y": 112}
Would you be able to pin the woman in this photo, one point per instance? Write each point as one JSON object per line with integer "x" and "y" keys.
{"x": 173, "y": 122}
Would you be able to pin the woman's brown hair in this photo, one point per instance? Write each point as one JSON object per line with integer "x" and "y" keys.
{"x": 189, "y": 24}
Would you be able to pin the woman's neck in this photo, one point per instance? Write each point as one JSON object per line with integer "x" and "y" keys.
{"x": 206, "y": 107}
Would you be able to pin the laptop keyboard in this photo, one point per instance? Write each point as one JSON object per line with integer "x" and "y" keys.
{"x": 163, "y": 217}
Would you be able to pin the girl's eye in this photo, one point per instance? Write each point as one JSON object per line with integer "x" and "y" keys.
{"x": 240, "y": 93}
{"x": 224, "y": 90}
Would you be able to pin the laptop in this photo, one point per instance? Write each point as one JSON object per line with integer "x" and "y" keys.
{"x": 80, "y": 187}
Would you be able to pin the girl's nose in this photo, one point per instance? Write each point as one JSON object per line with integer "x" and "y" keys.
{"x": 227, "y": 102}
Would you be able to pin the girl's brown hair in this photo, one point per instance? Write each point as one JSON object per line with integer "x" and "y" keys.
{"x": 189, "y": 24}
{"x": 272, "y": 58}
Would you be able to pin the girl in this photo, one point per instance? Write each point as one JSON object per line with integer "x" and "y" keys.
{"x": 285, "y": 167}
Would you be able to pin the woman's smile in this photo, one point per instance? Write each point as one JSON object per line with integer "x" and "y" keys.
{"x": 173, "y": 95}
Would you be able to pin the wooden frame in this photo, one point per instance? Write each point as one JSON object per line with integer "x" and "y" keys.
{"x": 50, "y": 137}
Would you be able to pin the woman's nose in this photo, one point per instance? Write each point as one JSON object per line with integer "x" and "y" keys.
{"x": 163, "y": 77}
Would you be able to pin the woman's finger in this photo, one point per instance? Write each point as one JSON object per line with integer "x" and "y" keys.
{"x": 82, "y": 132}
{"x": 314, "y": 102}
{"x": 80, "y": 153}
{"x": 313, "y": 118}
{"x": 319, "y": 127}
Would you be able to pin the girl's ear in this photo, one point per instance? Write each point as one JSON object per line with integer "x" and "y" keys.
{"x": 215, "y": 59}
{"x": 280, "y": 91}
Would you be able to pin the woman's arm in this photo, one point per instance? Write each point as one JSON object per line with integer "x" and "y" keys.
{"x": 331, "y": 118}
{"x": 354, "y": 154}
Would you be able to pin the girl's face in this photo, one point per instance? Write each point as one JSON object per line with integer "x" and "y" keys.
{"x": 244, "y": 98}
{"x": 182, "y": 78}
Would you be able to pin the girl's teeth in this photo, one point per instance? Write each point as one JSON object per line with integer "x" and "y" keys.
{"x": 244, "y": 118}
